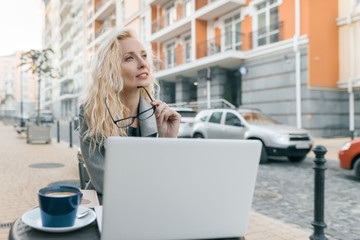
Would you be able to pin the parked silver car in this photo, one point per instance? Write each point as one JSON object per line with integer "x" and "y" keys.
{"x": 277, "y": 139}
{"x": 187, "y": 120}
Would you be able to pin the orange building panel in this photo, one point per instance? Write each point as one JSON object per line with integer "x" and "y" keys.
{"x": 287, "y": 16}
{"x": 179, "y": 54}
{"x": 201, "y": 38}
{"x": 179, "y": 11}
{"x": 246, "y": 30}
{"x": 323, "y": 44}
{"x": 200, "y": 3}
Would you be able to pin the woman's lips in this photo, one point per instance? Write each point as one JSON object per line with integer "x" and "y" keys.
{"x": 142, "y": 75}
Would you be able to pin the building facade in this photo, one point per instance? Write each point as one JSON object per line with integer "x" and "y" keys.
{"x": 18, "y": 92}
{"x": 288, "y": 58}
{"x": 64, "y": 32}
{"x": 279, "y": 56}
{"x": 349, "y": 57}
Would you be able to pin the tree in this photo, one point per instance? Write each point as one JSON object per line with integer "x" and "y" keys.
{"x": 39, "y": 64}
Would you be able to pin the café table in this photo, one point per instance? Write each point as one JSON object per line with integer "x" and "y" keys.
{"x": 20, "y": 231}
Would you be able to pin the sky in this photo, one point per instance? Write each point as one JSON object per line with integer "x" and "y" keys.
{"x": 20, "y": 25}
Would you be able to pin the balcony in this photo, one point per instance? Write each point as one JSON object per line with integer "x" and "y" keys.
{"x": 231, "y": 41}
{"x": 65, "y": 23}
{"x": 269, "y": 34}
{"x": 66, "y": 91}
{"x": 65, "y": 41}
{"x": 224, "y": 51}
{"x": 164, "y": 29}
{"x": 104, "y": 9}
{"x": 105, "y": 27}
{"x": 65, "y": 61}
{"x": 48, "y": 98}
{"x": 65, "y": 7}
{"x": 217, "y": 8}
{"x": 158, "y": 2}
{"x": 177, "y": 58}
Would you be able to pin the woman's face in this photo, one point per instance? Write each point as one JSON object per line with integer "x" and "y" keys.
{"x": 134, "y": 64}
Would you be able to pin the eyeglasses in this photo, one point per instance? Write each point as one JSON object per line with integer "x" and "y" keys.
{"x": 128, "y": 121}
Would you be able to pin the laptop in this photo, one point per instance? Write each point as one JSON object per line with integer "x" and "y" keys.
{"x": 173, "y": 188}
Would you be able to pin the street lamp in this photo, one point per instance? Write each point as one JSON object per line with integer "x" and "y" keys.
{"x": 22, "y": 122}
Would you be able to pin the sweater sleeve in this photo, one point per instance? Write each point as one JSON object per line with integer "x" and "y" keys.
{"x": 94, "y": 157}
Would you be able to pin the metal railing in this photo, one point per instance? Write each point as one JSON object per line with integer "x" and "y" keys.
{"x": 203, "y": 3}
{"x": 162, "y": 23}
{"x": 174, "y": 59}
{"x": 225, "y": 42}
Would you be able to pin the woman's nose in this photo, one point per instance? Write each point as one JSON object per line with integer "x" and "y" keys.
{"x": 141, "y": 63}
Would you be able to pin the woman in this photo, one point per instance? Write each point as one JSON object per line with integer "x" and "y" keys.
{"x": 118, "y": 102}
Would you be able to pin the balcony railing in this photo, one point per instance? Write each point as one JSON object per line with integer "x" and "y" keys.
{"x": 174, "y": 59}
{"x": 100, "y": 4}
{"x": 269, "y": 34}
{"x": 104, "y": 28}
{"x": 66, "y": 92}
{"x": 231, "y": 41}
{"x": 162, "y": 22}
{"x": 203, "y": 3}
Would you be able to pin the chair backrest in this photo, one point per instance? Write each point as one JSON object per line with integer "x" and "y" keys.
{"x": 83, "y": 172}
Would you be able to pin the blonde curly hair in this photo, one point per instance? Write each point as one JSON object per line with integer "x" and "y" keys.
{"x": 106, "y": 82}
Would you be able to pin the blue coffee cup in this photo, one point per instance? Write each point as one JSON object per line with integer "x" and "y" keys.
{"x": 59, "y": 205}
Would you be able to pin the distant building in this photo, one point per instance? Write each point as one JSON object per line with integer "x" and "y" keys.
{"x": 17, "y": 87}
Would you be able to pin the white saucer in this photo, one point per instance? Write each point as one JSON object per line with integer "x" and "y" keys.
{"x": 33, "y": 219}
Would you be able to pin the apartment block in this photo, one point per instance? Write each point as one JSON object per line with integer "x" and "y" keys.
{"x": 279, "y": 56}
{"x": 292, "y": 59}
{"x": 64, "y": 32}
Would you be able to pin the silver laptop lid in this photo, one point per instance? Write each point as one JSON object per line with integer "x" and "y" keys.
{"x": 161, "y": 188}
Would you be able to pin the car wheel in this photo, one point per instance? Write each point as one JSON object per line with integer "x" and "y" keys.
{"x": 357, "y": 167}
{"x": 198, "y": 135}
{"x": 264, "y": 156}
{"x": 297, "y": 158}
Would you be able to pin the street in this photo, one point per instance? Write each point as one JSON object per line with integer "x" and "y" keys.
{"x": 285, "y": 191}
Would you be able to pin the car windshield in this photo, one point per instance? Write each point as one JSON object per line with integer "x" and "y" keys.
{"x": 257, "y": 118}
{"x": 187, "y": 113}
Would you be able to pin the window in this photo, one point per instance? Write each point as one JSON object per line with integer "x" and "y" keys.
{"x": 187, "y": 49}
{"x": 187, "y": 8}
{"x": 143, "y": 29}
{"x": 232, "y": 120}
{"x": 170, "y": 55}
{"x": 215, "y": 117}
{"x": 267, "y": 23}
{"x": 122, "y": 9}
{"x": 232, "y": 27}
{"x": 170, "y": 14}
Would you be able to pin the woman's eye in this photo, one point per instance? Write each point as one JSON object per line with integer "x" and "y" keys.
{"x": 129, "y": 58}
{"x": 144, "y": 56}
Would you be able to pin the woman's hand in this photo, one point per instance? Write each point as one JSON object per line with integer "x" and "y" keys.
{"x": 167, "y": 120}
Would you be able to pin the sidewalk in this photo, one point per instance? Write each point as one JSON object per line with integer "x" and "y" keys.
{"x": 21, "y": 178}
